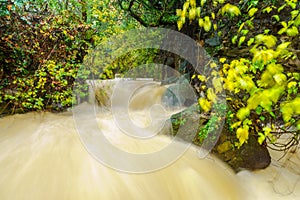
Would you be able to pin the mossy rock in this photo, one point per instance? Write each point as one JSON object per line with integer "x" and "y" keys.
{"x": 250, "y": 155}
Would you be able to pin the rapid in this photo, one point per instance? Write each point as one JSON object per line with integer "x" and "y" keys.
{"x": 43, "y": 157}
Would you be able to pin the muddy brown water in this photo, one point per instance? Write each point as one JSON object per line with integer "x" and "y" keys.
{"x": 43, "y": 157}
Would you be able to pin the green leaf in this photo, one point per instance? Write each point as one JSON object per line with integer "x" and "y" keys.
{"x": 262, "y": 118}
{"x": 250, "y": 41}
{"x": 258, "y": 110}
{"x": 276, "y": 17}
{"x": 234, "y": 39}
{"x": 281, "y": 8}
{"x": 292, "y": 31}
{"x": 241, "y": 40}
{"x": 244, "y": 32}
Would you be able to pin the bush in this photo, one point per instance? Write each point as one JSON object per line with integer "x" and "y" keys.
{"x": 257, "y": 45}
{"x": 40, "y": 56}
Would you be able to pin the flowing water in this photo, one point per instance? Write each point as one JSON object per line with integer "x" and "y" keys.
{"x": 43, "y": 157}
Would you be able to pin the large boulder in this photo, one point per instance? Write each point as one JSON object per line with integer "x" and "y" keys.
{"x": 250, "y": 155}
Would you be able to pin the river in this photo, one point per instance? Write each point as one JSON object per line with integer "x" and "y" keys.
{"x": 43, "y": 157}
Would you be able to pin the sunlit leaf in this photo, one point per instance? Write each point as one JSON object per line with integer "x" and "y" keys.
{"x": 192, "y": 14}
{"x": 217, "y": 83}
{"x": 234, "y": 39}
{"x": 252, "y": 11}
{"x": 292, "y": 84}
{"x": 186, "y": 5}
{"x": 242, "y": 134}
{"x": 230, "y": 9}
{"x": 241, "y": 40}
{"x": 281, "y": 8}
{"x": 211, "y": 95}
{"x": 293, "y": 31}
{"x": 222, "y": 60}
{"x": 201, "y": 22}
{"x": 207, "y": 24}
{"x": 204, "y": 104}
{"x": 243, "y": 113}
{"x": 267, "y": 9}
{"x": 244, "y": 32}
{"x": 279, "y": 78}
{"x": 178, "y": 12}
{"x": 201, "y": 77}
{"x": 193, "y": 3}
{"x": 250, "y": 41}
{"x": 276, "y": 17}
{"x": 198, "y": 11}
{"x": 241, "y": 27}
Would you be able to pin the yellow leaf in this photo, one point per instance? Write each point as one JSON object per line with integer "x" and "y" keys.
{"x": 242, "y": 134}
{"x": 204, "y": 104}
{"x": 178, "y": 12}
{"x": 266, "y": 79}
{"x": 273, "y": 68}
{"x": 201, "y": 78}
{"x": 292, "y": 84}
{"x": 179, "y": 24}
{"x": 186, "y": 5}
{"x": 241, "y": 27}
{"x": 243, "y": 113}
{"x": 215, "y": 27}
{"x": 211, "y": 95}
{"x": 268, "y": 40}
{"x": 213, "y": 15}
{"x": 267, "y": 9}
{"x": 213, "y": 65}
{"x": 217, "y": 83}
{"x": 261, "y": 138}
{"x": 287, "y": 112}
{"x": 282, "y": 46}
{"x": 192, "y": 14}
{"x": 263, "y": 55}
{"x": 241, "y": 40}
{"x": 201, "y": 22}
{"x": 198, "y": 11}
{"x": 207, "y": 24}
{"x": 193, "y": 3}
{"x": 292, "y": 31}
{"x": 254, "y": 100}
{"x": 236, "y": 124}
{"x": 250, "y": 41}
{"x": 222, "y": 60}
{"x": 279, "y": 78}
{"x": 232, "y": 10}
{"x": 252, "y": 11}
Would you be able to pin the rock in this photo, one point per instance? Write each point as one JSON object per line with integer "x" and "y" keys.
{"x": 250, "y": 155}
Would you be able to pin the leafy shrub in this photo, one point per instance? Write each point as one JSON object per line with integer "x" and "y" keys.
{"x": 40, "y": 55}
{"x": 257, "y": 44}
